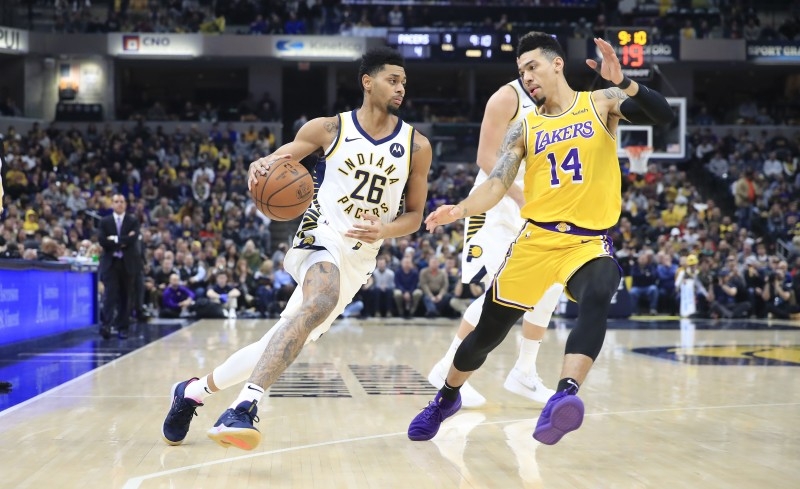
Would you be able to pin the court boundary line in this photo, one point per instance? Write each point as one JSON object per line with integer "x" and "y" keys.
{"x": 136, "y": 482}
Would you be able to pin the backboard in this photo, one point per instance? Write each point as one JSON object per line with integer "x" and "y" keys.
{"x": 668, "y": 142}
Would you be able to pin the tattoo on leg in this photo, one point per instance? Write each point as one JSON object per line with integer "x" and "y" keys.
{"x": 321, "y": 293}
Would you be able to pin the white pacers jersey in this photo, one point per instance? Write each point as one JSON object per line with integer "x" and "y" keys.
{"x": 359, "y": 176}
{"x": 489, "y": 235}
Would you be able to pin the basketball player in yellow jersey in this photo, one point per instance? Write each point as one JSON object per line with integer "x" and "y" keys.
{"x": 572, "y": 196}
{"x": 486, "y": 241}
{"x": 375, "y": 187}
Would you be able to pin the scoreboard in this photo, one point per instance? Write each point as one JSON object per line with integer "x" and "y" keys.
{"x": 633, "y": 46}
{"x": 453, "y": 46}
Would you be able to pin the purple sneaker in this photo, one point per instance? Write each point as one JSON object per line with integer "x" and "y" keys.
{"x": 562, "y": 413}
{"x": 426, "y": 424}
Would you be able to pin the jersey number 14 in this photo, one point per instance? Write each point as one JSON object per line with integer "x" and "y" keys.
{"x": 571, "y": 164}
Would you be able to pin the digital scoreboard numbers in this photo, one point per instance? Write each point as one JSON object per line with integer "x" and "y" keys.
{"x": 453, "y": 46}
{"x": 633, "y": 48}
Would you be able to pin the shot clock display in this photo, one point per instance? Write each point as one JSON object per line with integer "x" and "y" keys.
{"x": 633, "y": 47}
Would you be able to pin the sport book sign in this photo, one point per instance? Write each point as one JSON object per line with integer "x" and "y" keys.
{"x": 773, "y": 52}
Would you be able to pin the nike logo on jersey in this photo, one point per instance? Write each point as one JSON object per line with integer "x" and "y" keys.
{"x": 347, "y": 140}
{"x": 537, "y": 125}
{"x": 526, "y": 106}
{"x": 584, "y": 241}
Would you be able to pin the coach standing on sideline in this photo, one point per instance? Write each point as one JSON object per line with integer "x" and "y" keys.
{"x": 118, "y": 266}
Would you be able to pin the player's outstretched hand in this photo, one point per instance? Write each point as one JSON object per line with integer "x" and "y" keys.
{"x": 369, "y": 231}
{"x": 610, "y": 68}
{"x": 445, "y": 214}
{"x": 260, "y": 167}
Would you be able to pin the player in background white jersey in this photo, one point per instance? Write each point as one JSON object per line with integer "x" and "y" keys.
{"x": 486, "y": 241}
{"x": 374, "y": 187}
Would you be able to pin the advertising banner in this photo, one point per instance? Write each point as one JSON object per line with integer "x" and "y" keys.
{"x": 35, "y": 303}
{"x": 773, "y": 52}
{"x": 14, "y": 41}
{"x": 155, "y": 45}
{"x": 318, "y": 48}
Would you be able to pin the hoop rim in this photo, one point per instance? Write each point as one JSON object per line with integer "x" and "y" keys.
{"x": 636, "y": 150}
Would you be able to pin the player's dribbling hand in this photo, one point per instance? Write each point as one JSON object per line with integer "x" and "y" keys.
{"x": 444, "y": 214}
{"x": 369, "y": 231}
{"x": 261, "y": 166}
{"x": 610, "y": 68}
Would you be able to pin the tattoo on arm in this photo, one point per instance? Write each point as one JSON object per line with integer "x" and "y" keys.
{"x": 615, "y": 93}
{"x": 508, "y": 163}
{"x": 332, "y": 126}
{"x": 415, "y": 147}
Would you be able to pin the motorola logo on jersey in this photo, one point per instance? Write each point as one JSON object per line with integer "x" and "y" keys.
{"x": 397, "y": 150}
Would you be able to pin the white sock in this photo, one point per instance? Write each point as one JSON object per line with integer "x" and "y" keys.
{"x": 451, "y": 352}
{"x": 238, "y": 367}
{"x": 250, "y": 392}
{"x": 528, "y": 352}
{"x": 198, "y": 390}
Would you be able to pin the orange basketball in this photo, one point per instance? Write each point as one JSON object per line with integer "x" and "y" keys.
{"x": 285, "y": 192}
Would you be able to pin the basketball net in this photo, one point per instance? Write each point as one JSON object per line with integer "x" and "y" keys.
{"x": 637, "y": 157}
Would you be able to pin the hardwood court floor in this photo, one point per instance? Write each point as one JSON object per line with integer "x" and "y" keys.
{"x": 668, "y": 405}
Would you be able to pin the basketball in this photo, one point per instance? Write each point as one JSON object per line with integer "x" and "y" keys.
{"x": 285, "y": 192}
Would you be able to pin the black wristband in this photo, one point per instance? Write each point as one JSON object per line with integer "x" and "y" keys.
{"x": 625, "y": 83}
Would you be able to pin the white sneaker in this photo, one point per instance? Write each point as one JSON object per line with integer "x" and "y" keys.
{"x": 530, "y": 386}
{"x": 232, "y": 313}
{"x": 470, "y": 398}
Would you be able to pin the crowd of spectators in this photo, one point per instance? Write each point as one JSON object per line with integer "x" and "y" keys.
{"x": 734, "y": 19}
{"x": 727, "y": 220}
{"x": 178, "y": 108}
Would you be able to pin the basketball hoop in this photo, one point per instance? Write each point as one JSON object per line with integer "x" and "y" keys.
{"x": 637, "y": 157}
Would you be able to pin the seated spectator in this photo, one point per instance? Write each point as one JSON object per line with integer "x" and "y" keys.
{"x": 284, "y": 284}
{"x": 48, "y": 250}
{"x": 407, "y": 293}
{"x": 265, "y": 291}
{"x": 434, "y": 283}
{"x": 176, "y": 299}
{"x": 224, "y": 294}
{"x": 464, "y": 294}
{"x": 644, "y": 275}
{"x": 259, "y": 26}
{"x": 382, "y": 292}
{"x": 730, "y": 296}
{"x": 245, "y": 282}
{"x": 193, "y": 274}
{"x": 666, "y": 271}
{"x": 779, "y": 298}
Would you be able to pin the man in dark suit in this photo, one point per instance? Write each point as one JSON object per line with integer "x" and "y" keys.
{"x": 119, "y": 233}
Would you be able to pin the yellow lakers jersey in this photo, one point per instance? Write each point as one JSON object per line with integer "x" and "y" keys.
{"x": 571, "y": 168}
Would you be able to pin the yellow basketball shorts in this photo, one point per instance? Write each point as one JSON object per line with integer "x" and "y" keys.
{"x": 545, "y": 256}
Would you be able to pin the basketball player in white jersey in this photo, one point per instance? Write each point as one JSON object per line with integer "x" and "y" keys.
{"x": 486, "y": 241}
{"x": 374, "y": 187}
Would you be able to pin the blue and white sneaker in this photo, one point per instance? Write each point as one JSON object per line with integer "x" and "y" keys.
{"x": 235, "y": 427}
{"x": 181, "y": 412}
